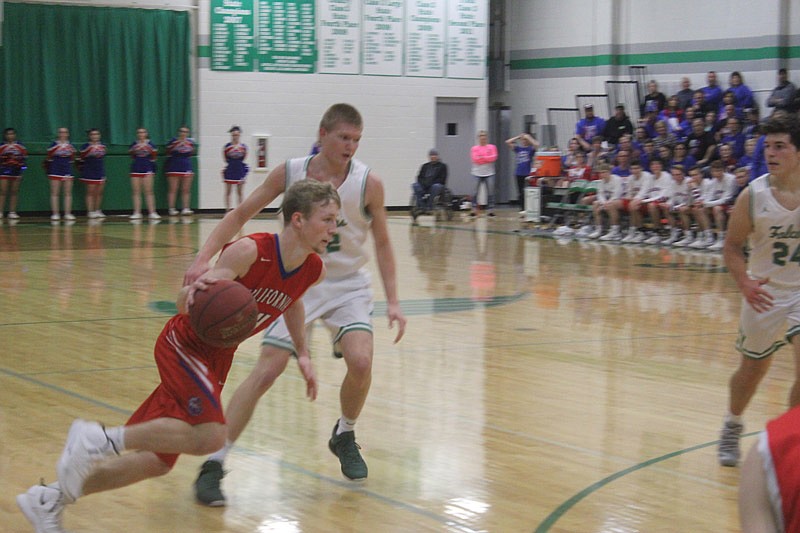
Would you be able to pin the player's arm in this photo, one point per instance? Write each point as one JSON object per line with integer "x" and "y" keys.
{"x": 374, "y": 198}
{"x": 295, "y": 318}
{"x": 755, "y": 507}
{"x": 233, "y": 222}
{"x": 233, "y": 263}
{"x": 740, "y": 225}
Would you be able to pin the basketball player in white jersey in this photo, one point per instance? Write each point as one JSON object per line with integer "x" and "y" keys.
{"x": 765, "y": 216}
{"x": 343, "y": 301}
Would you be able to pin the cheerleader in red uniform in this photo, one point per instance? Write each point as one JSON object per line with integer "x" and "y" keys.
{"x": 179, "y": 170}
{"x": 235, "y": 173}
{"x": 59, "y": 160}
{"x": 12, "y": 163}
{"x": 143, "y": 152}
{"x": 93, "y": 173}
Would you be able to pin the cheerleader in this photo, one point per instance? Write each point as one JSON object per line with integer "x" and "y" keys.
{"x": 12, "y": 163}
{"x": 60, "y": 156}
{"x": 93, "y": 172}
{"x": 143, "y": 168}
{"x": 235, "y": 172}
{"x": 179, "y": 170}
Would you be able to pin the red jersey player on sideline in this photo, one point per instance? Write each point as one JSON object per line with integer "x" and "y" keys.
{"x": 184, "y": 413}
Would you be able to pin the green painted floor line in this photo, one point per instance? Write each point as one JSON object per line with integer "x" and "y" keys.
{"x": 562, "y": 509}
{"x": 410, "y": 307}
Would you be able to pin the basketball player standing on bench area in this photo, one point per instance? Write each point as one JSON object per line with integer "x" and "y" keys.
{"x": 343, "y": 301}
{"x": 184, "y": 413}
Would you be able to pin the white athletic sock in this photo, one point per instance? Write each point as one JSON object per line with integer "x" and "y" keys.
{"x": 345, "y": 424}
{"x": 220, "y": 455}
{"x": 732, "y": 418}
{"x": 117, "y": 437}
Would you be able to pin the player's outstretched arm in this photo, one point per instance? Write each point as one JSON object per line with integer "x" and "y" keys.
{"x": 233, "y": 222}
{"x": 740, "y": 225}
{"x": 384, "y": 254}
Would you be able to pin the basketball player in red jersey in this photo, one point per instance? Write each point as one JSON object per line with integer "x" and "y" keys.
{"x": 184, "y": 413}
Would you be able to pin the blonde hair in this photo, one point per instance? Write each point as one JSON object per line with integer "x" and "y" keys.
{"x": 341, "y": 113}
{"x": 303, "y": 196}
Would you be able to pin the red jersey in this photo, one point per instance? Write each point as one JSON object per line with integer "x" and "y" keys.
{"x": 193, "y": 372}
{"x": 784, "y": 446}
{"x": 273, "y": 289}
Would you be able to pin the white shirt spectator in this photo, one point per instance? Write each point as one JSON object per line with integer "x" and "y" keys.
{"x": 719, "y": 191}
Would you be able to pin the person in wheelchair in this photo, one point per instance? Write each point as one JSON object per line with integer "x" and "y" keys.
{"x": 430, "y": 184}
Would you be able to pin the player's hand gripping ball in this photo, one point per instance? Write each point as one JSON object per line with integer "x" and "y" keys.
{"x": 224, "y": 314}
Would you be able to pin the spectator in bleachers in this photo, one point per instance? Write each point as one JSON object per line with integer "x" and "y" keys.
{"x": 568, "y": 159}
{"x": 746, "y": 161}
{"x": 640, "y": 138}
{"x": 622, "y": 163}
{"x": 712, "y": 92}
{"x": 701, "y": 143}
{"x": 660, "y": 192}
{"x": 608, "y": 200}
{"x": 672, "y": 114}
{"x": 589, "y": 127}
{"x": 648, "y": 154}
{"x": 717, "y": 192}
{"x": 636, "y": 187}
{"x": 680, "y": 156}
{"x": 726, "y": 157}
{"x": 664, "y": 153}
{"x": 759, "y": 165}
{"x": 626, "y": 143}
{"x": 685, "y": 127}
{"x": 694, "y": 181}
{"x": 750, "y": 127}
{"x": 578, "y": 170}
{"x": 731, "y": 133}
{"x": 743, "y": 94}
{"x": 710, "y": 122}
{"x": 686, "y": 93}
{"x": 654, "y": 95}
{"x": 649, "y": 119}
{"x": 783, "y": 94}
{"x": 680, "y": 199}
{"x": 597, "y": 154}
{"x": 618, "y": 125}
{"x": 663, "y": 135}
{"x": 728, "y": 106}
{"x": 701, "y": 105}
{"x": 742, "y": 177}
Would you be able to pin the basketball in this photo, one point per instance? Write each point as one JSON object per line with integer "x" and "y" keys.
{"x": 224, "y": 314}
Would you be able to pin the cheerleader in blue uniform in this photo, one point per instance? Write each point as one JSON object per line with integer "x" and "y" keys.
{"x": 13, "y": 156}
{"x": 179, "y": 170}
{"x": 143, "y": 168}
{"x": 235, "y": 172}
{"x": 93, "y": 173}
{"x": 59, "y": 160}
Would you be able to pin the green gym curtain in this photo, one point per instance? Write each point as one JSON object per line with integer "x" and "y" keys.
{"x": 111, "y": 68}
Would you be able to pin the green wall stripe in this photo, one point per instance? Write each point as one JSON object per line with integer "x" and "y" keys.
{"x": 696, "y": 56}
{"x": 204, "y": 50}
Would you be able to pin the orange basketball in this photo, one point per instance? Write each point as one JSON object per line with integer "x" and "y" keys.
{"x": 224, "y": 314}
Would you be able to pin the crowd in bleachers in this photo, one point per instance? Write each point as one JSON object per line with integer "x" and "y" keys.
{"x": 677, "y": 171}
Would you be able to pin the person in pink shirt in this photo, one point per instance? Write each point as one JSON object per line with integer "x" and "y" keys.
{"x": 483, "y": 157}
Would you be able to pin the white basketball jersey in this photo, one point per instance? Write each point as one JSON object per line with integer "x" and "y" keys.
{"x": 775, "y": 241}
{"x": 346, "y": 253}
